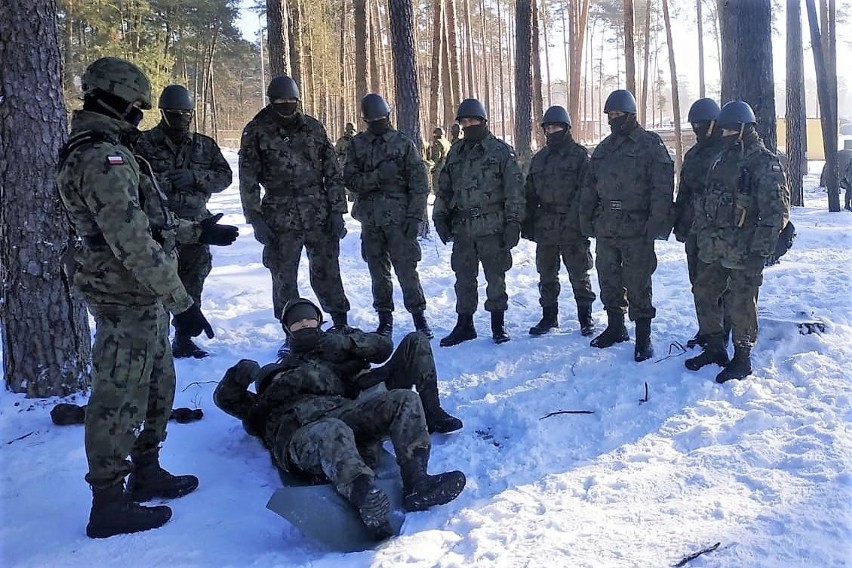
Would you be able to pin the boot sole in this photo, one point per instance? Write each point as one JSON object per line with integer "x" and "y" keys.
{"x": 439, "y": 496}
{"x": 609, "y": 344}
{"x": 143, "y": 496}
{"x": 451, "y": 343}
{"x": 107, "y": 531}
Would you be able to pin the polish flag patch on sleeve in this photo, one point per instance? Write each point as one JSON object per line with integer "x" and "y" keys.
{"x": 115, "y": 160}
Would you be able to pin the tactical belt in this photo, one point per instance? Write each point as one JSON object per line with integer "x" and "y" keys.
{"x": 475, "y": 212}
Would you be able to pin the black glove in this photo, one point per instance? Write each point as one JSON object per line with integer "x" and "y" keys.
{"x": 388, "y": 170}
{"x": 445, "y": 233}
{"x": 410, "y": 227}
{"x": 262, "y": 233}
{"x": 192, "y": 322}
{"x": 511, "y": 235}
{"x": 335, "y": 225}
{"x": 186, "y": 415}
{"x": 219, "y": 235}
{"x": 182, "y": 179}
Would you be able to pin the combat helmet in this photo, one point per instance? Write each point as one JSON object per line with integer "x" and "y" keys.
{"x": 373, "y": 106}
{"x": 620, "y": 100}
{"x": 471, "y": 108}
{"x": 176, "y": 97}
{"x": 734, "y": 115}
{"x": 119, "y": 78}
{"x": 556, "y": 115}
{"x": 703, "y": 110}
{"x": 282, "y": 87}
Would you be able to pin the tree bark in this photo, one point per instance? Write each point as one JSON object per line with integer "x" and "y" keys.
{"x": 405, "y": 69}
{"x": 795, "y": 115}
{"x": 278, "y": 44}
{"x": 646, "y": 79}
{"x": 341, "y": 101}
{"x": 580, "y": 17}
{"x": 360, "y": 21}
{"x": 45, "y": 331}
{"x": 537, "y": 103}
{"x": 375, "y": 39}
{"x": 523, "y": 81}
{"x": 453, "y": 46}
{"x": 295, "y": 22}
{"x": 675, "y": 95}
{"x": 699, "y": 18}
{"x": 435, "y": 79}
{"x": 629, "y": 47}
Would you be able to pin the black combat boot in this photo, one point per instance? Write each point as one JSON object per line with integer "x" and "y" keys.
{"x": 463, "y": 331}
{"x": 437, "y": 419}
{"x": 740, "y": 365}
{"x": 714, "y": 353}
{"x": 339, "y": 320}
{"x": 420, "y": 324}
{"x": 698, "y": 340}
{"x": 373, "y": 506}
{"x": 615, "y": 331}
{"x": 584, "y": 314}
{"x": 643, "y": 350}
{"x": 498, "y": 328}
{"x": 114, "y": 513}
{"x": 183, "y": 347}
{"x": 421, "y": 490}
{"x": 548, "y": 321}
{"x": 385, "y": 324}
{"x": 148, "y": 480}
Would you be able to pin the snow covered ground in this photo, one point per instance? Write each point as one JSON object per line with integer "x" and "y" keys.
{"x": 762, "y": 466}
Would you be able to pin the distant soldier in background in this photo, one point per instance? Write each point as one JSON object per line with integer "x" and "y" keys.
{"x": 340, "y": 149}
{"x": 438, "y": 150}
{"x": 738, "y": 218}
{"x": 190, "y": 168}
{"x": 289, "y": 154}
{"x": 385, "y": 171}
{"x": 455, "y": 133}
{"x": 479, "y": 207}
{"x": 626, "y": 203}
{"x": 844, "y": 170}
{"x": 552, "y": 221}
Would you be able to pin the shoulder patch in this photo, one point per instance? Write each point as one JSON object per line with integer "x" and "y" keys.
{"x": 115, "y": 160}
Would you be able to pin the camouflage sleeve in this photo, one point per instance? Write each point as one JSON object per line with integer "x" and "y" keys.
{"x": 187, "y": 232}
{"x": 661, "y": 179}
{"x": 111, "y": 194}
{"x": 772, "y": 198}
{"x": 582, "y": 171}
{"x": 219, "y": 176}
{"x": 683, "y": 200}
{"x": 418, "y": 182}
{"x": 435, "y": 153}
{"x": 373, "y": 347}
{"x": 588, "y": 200}
{"x": 513, "y": 189}
{"x": 531, "y": 201}
{"x": 250, "y": 168}
{"x": 332, "y": 176}
{"x": 357, "y": 180}
{"x": 441, "y": 207}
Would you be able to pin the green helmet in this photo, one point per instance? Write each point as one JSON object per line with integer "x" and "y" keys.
{"x": 120, "y": 78}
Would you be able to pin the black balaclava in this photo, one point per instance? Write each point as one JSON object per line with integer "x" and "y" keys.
{"x": 287, "y": 109}
{"x": 176, "y": 123}
{"x": 112, "y": 106}
{"x": 703, "y": 132}
{"x": 304, "y": 339}
{"x": 379, "y": 127}
{"x": 476, "y": 132}
{"x": 557, "y": 138}
{"x": 624, "y": 124}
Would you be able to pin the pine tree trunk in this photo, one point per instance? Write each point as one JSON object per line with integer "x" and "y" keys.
{"x": 375, "y": 38}
{"x": 435, "y": 78}
{"x": 646, "y": 79}
{"x": 405, "y": 69}
{"x": 580, "y": 17}
{"x": 523, "y": 82}
{"x": 341, "y": 61}
{"x": 545, "y": 24}
{"x": 278, "y": 44}
{"x": 629, "y": 47}
{"x": 453, "y": 46}
{"x": 295, "y": 21}
{"x": 795, "y": 116}
{"x": 675, "y": 95}
{"x": 360, "y": 20}
{"x": 450, "y": 101}
{"x": 699, "y": 18}
{"x": 471, "y": 79}
{"x": 537, "y": 109}
{"x": 45, "y": 331}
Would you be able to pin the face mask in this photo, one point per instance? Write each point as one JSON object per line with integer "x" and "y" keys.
{"x": 620, "y": 124}
{"x": 701, "y": 130}
{"x": 177, "y": 121}
{"x": 286, "y": 109}
{"x": 305, "y": 339}
{"x": 378, "y": 127}
{"x": 476, "y": 132}
{"x": 556, "y": 138}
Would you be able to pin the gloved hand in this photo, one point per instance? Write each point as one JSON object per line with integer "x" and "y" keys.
{"x": 182, "y": 179}
{"x": 262, "y": 233}
{"x": 445, "y": 233}
{"x": 219, "y": 235}
{"x": 388, "y": 170}
{"x": 511, "y": 235}
{"x": 192, "y": 322}
{"x": 186, "y": 415}
{"x": 244, "y": 372}
{"x": 410, "y": 227}
{"x": 335, "y": 225}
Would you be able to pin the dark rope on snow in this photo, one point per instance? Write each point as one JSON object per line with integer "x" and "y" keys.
{"x": 548, "y": 415}
{"x": 675, "y": 345}
{"x": 695, "y": 555}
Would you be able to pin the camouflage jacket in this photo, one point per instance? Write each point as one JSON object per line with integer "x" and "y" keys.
{"x": 438, "y": 151}
{"x": 302, "y": 388}
{"x": 296, "y": 165}
{"x": 481, "y": 188}
{"x": 195, "y": 152}
{"x": 628, "y": 188}
{"x": 553, "y": 193}
{"x": 341, "y": 147}
{"x": 745, "y": 205}
{"x": 693, "y": 175}
{"x": 378, "y": 202}
{"x": 128, "y": 233}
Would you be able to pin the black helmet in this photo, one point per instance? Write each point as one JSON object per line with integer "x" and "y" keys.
{"x": 703, "y": 110}
{"x": 556, "y": 115}
{"x": 471, "y": 108}
{"x": 438, "y": 131}
{"x": 620, "y": 100}
{"x": 455, "y": 128}
{"x": 282, "y": 87}
{"x": 297, "y": 309}
{"x": 176, "y": 97}
{"x": 373, "y": 106}
{"x": 734, "y": 114}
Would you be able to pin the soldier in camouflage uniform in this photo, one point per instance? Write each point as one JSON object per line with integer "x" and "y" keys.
{"x": 126, "y": 271}
{"x": 341, "y": 147}
{"x": 385, "y": 172}
{"x": 455, "y": 133}
{"x": 190, "y": 168}
{"x": 480, "y": 207}
{"x": 308, "y": 413}
{"x": 438, "y": 150}
{"x": 693, "y": 176}
{"x": 552, "y": 221}
{"x": 625, "y": 204}
{"x": 744, "y": 207}
{"x": 289, "y": 154}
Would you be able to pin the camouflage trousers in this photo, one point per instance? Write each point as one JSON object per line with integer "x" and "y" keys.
{"x": 133, "y": 385}
{"x": 413, "y": 365}
{"x": 194, "y": 265}
{"x": 625, "y": 267}
{"x": 577, "y": 258}
{"x": 693, "y": 265}
{"x": 383, "y": 247}
{"x": 333, "y": 445}
{"x": 739, "y": 289}
{"x": 282, "y": 259}
{"x": 467, "y": 254}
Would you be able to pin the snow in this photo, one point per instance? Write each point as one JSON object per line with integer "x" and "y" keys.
{"x": 762, "y": 466}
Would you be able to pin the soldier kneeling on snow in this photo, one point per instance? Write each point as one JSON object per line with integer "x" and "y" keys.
{"x": 306, "y": 413}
